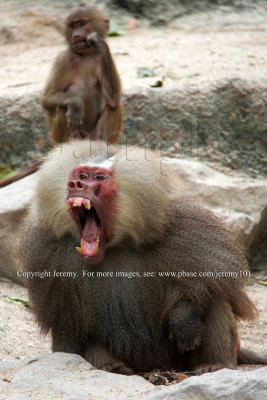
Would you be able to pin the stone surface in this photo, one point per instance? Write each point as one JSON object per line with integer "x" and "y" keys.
{"x": 224, "y": 385}
{"x": 239, "y": 201}
{"x": 66, "y": 376}
{"x": 14, "y": 200}
{"x": 23, "y": 137}
{"x": 222, "y": 122}
{"x": 70, "y": 377}
{"x": 165, "y": 11}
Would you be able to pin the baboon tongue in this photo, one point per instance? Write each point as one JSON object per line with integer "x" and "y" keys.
{"x": 90, "y": 237}
{"x": 90, "y": 229}
{"x": 88, "y": 249}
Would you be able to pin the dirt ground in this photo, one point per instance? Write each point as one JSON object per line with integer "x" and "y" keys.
{"x": 200, "y": 47}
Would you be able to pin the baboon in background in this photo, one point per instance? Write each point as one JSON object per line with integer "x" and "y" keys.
{"x": 82, "y": 95}
{"x": 123, "y": 308}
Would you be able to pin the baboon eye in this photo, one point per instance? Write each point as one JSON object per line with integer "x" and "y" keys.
{"x": 82, "y": 23}
{"x": 83, "y": 175}
{"x": 100, "y": 177}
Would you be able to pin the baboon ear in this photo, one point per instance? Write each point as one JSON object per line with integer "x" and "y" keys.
{"x": 107, "y": 25}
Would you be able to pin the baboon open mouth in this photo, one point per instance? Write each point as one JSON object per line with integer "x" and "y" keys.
{"x": 84, "y": 214}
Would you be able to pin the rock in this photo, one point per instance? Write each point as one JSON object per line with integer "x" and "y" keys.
{"x": 240, "y": 202}
{"x": 259, "y": 263}
{"x": 220, "y": 122}
{"x": 6, "y": 365}
{"x": 9, "y": 33}
{"x": 69, "y": 377}
{"x": 159, "y": 13}
{"x": 224, "y": 385}
{"x": 24, "y": 137}
{"x": 165, "y": 11}
{"x": 14, "y": 200}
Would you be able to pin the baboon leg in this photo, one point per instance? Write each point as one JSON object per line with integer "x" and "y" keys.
{"x": 100, "y": 358}
{"x": 219, "y": 346}
{"x": 62, "y": 343}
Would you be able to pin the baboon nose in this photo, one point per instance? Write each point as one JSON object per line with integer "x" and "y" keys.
{"x": 76, "y": 184}
{"x": 77, "y": 38}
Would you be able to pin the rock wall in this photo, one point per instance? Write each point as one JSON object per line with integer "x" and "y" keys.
{"x": 223, "y": 123}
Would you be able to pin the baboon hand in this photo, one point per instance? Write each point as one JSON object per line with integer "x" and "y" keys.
{"x": 93, "y": 39}
{"x": 75, "y": 114}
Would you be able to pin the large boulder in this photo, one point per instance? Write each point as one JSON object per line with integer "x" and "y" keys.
{"x": 14, "y": 200}
{"x": 68, "y": 376}
{"x": 23, "y": 132}
{"x": 239, "y": 201}
{"x": 222, "y": 122}
{"x": 161, "y": 12}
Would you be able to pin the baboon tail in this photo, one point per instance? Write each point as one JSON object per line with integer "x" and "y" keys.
{"x": 246, "y": 356}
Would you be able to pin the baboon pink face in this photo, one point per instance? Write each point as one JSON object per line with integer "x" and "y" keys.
{"x": 91, "y": 201}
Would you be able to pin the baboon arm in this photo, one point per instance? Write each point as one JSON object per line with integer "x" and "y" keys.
{"x": 111, "y": 87}
{"x": 59, "y": 99}
{"x": 55, "y": 93}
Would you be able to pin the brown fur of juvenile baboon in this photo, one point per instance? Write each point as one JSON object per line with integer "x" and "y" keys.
{"x": 82, "y": 94}
{"x": 134, "y": 222}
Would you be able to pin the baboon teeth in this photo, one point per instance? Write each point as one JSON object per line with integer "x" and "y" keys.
{"x": 87, "y": 204}
{"x": 89, "y": 249}
{"x": 78, "y": 202}
{"x": 80, "y": 249}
